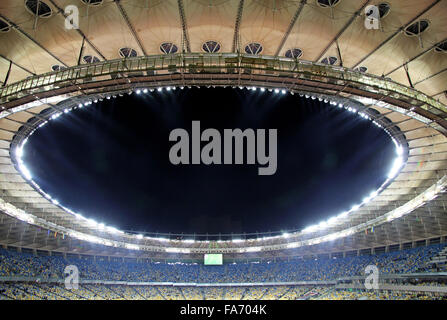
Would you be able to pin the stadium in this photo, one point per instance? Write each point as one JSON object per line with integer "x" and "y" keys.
{"x": 382, "y": 62}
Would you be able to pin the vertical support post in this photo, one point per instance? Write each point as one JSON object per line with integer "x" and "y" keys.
{"x": 81, "y": 51}
{"x": 37, "y": 15}
{"x": 339, "y": 53}
{"x": 408, "y": 75}
{"x": 7, "y": 74}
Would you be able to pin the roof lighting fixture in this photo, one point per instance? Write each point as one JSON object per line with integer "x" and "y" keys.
{"x": 332, "y": 220}
{"x": 343, "y": 215}
{"x": 398, "y": 162}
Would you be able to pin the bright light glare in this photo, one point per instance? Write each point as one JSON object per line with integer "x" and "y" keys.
{"x": 395, "y": 168}
{"x": 25, "y": 171}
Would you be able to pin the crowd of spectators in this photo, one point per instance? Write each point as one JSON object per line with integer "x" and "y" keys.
{"x": 29, "y": 291}
{"x": 51, "y": 268}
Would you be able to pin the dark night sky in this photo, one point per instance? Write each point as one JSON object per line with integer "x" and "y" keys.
{"x": 110, "y": 162}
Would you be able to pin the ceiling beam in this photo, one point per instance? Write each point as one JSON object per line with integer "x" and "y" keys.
{"x": 396, "y": 33}
{"x": 431, "y": 76}
{"x": 79, "y": 31}
{"x": 130, "y": 26}
{"x": 17, "y": 65}
{"x": 439, "y": 93}
{"x": 19, "y": 30}
{"x": 181, "y": 10}
{"x": 291, "y": 25}
{"x": 339, "y": 34}
{"x": 237, "y": 25}
{"x": 415, "y": 57}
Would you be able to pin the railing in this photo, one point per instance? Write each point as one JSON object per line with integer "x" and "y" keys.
{"x": 226, "y": 63}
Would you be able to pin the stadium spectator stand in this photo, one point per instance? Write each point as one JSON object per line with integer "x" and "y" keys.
{"x": 43, "y": 269}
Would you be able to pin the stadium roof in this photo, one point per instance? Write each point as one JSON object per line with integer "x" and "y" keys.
{"x": 407, "y": 50}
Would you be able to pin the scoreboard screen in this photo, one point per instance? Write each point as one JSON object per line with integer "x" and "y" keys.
{"x": 213, "y": 259}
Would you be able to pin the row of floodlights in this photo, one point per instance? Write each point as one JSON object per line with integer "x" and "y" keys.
{"x": 396, "y": 167}
{"x": 160, "y": 89}
{"x": 428, "y": 195}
